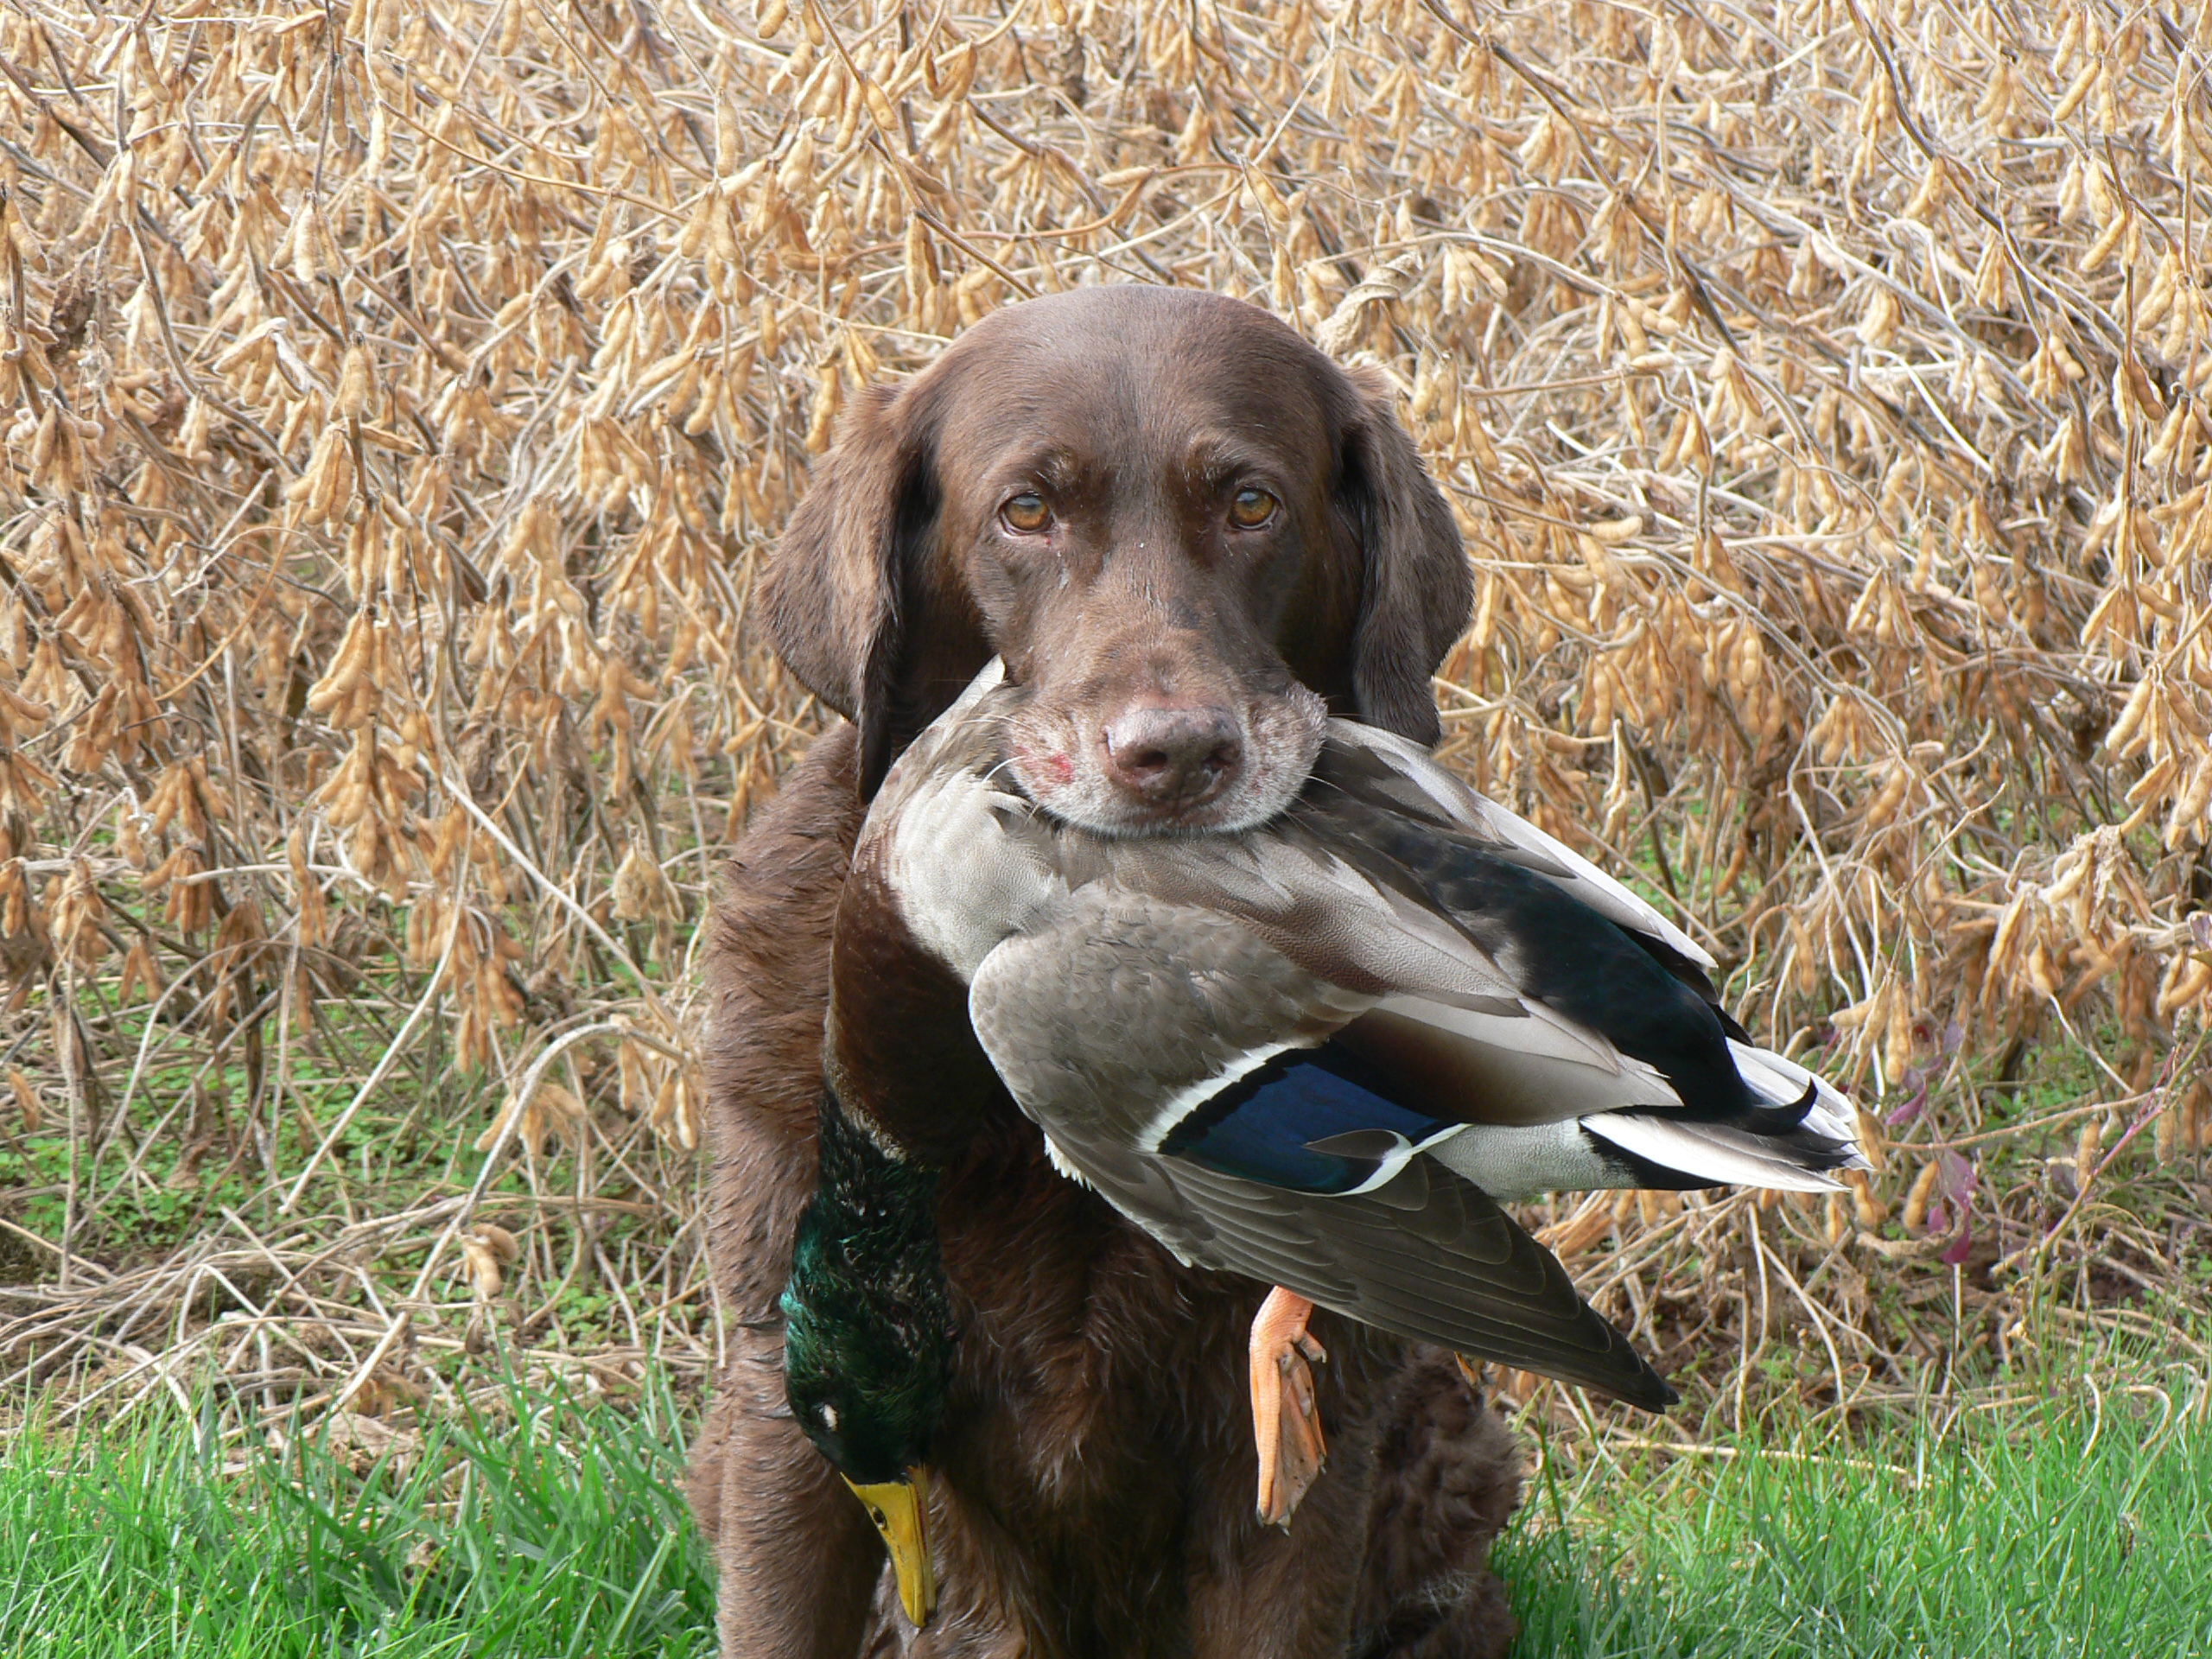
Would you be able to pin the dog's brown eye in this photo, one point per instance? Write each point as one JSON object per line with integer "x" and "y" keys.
{"x": 1251, "y": 509}
{"x": 1027, "y": 512}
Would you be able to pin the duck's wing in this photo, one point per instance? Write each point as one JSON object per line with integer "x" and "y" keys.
{"x": 1495, "y": 988}
{"x": 1427, "y": 1256}
{"x": 1314, "y": 1007}
{"x": 1370, "y": 766}
{"x": 1578, "y": 945}
{"x": 1187, "y": 1070}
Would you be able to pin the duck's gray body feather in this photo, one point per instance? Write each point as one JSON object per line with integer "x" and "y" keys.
{"x": 1321, "y": 1051}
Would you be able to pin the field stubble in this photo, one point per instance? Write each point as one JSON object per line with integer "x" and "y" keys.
{"x": 399, "y": 399}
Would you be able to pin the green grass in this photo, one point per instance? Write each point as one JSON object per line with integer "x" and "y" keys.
{"x": 2041, "y": 1534}
{"x": 548, "y": 1529}
{"x": 544, "y": 1530}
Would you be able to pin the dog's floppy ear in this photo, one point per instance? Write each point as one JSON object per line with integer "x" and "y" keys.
{"x": 1417, "y": 589}
{"x": 834, "y": 592}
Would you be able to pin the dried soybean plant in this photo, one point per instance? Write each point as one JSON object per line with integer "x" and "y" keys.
{"x": 400, "y": 395}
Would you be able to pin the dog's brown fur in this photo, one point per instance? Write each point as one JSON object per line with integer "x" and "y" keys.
{"x": 1094, "y": 1489}
{"x": 1132, "y": 415}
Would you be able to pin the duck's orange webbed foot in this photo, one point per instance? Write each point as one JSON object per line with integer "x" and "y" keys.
{"x": 1285, "y": 1428}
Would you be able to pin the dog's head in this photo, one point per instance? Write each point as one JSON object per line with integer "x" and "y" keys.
{"x": 1189, "y": 534}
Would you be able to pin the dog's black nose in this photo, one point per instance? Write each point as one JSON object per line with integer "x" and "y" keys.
{"x": 1173, "y": 754}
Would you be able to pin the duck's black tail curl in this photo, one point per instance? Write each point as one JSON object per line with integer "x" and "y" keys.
{"x": 1780, "y": 1120}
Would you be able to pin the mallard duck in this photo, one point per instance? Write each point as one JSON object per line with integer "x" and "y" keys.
{"x": 868, "y": 1336}
{"x": 1320, "y": 1053}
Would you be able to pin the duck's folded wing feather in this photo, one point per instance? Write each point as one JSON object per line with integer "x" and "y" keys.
{"x": 1440, "y": 1264}
{"x": 1584, "y": 976}
{"x": 1366, "y": 763}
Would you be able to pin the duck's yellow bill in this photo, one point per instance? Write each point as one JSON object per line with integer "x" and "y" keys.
{"x": 900, "y": 1510}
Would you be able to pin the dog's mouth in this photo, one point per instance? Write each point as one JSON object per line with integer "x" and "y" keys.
{"x": 1168, "y": 766}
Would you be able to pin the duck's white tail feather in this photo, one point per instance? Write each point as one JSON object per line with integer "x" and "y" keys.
{"x": 1720, "y": 1155}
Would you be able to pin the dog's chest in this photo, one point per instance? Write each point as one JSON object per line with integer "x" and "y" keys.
{"x": 1098, "y": 1411}
{"x": 1082, "y": 1332}
{"x": 1099, "y": 1457}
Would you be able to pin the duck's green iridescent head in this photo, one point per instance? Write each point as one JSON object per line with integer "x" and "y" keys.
{"x": 868, "y": 1337}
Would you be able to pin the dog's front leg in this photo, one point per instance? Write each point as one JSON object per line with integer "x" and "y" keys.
{"x": 1261, "y": 1591}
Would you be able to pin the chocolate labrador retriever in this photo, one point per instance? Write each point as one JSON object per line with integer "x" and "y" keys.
{"x": 1189, "y": 534}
